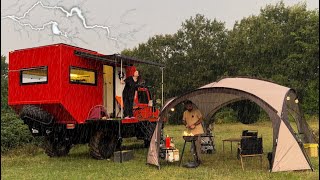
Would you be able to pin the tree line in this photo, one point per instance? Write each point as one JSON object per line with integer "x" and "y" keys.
{"x": 280, "y": 44}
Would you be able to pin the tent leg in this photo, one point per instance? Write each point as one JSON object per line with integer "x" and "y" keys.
{"x": 184, "y": 145}
{"x": 241, "y": 162}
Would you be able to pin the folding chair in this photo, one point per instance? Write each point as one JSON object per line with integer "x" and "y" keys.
{"x": 250, "y": 147}
{"x": 253, "y": 133}
{"x": 120, "y": 104}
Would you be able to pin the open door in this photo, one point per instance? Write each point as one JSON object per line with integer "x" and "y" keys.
{"x": 108, "y": 89}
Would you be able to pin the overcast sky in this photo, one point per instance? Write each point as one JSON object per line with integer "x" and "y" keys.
{"x": 129, "y": 22}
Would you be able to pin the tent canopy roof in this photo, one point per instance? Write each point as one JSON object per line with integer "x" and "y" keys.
{"x": 268, "y": 92}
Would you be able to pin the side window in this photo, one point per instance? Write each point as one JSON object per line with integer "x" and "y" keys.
{"x": 82, "y": 76}
{"x": 37, "y": 75}
{"x": 143, "y": 97}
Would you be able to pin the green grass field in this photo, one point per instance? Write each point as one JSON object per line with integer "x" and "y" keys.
{"x": 31, "y": 163}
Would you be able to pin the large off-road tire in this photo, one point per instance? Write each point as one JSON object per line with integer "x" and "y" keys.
{"x": 56, "y": 149}
{"x": 37, "y": 114}
{"x": 102, "y": 145}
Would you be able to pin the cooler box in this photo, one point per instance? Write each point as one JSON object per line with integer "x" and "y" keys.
{"x": 172, "y": 155}
{"x": 311, "y": 149}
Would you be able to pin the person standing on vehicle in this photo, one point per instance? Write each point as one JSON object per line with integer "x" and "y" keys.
{"x": 192, "y": 118}
{"x": 128, "y": 94}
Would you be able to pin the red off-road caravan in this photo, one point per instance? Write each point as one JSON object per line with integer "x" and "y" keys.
{"x": 72, "y": 95}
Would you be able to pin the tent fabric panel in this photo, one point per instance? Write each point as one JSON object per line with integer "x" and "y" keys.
{"x": 167, "y": 103}
{"x": 207, "y": 102}
{"x": 271, "y": 93}
{"x": 288, "y": 155}
{"x": 224, "y": 90}
{"x": 153, "y": 152}
{"x": 292, "y": 107}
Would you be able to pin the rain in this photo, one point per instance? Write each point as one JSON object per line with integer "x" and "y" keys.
{"x": 66, "y": 67}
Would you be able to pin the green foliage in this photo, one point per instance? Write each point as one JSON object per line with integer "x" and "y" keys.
{"x": 280, "y": 44}
{"x": 247, "y": 111}
{"x": 4, "y": 84}
{"x": 193, "y": 56}
{"x": 176, "y": 116}
{"x": 225, "y": 115}
{"x": 13, "y": 132}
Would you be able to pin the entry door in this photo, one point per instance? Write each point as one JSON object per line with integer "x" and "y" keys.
{"x": 108, "y": 88}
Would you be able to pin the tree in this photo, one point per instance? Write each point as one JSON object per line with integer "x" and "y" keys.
{"x": 4, "y": 84}
{"x": 280, "y": 44}
{"x": 193, "y": 56}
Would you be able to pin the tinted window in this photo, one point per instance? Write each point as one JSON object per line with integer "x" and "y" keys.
{"x": 82, "y": 76}
{"x": 143, "y": 97}
{"x": 34, "y": 75}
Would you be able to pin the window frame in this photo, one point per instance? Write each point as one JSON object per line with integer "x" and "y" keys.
{"x": 86, "y": 69}
{"x": 33, "y": 68}
{"x": 146, "y": 95}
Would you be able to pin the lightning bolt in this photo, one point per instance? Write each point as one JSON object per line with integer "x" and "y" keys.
{"x": 56, "y": 30}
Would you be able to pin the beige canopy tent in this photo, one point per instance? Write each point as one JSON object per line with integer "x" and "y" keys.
{"x": 277, "y": 101}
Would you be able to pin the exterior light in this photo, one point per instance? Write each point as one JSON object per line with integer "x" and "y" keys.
{"x": 288, "y": 98}
{"x": 74, "y": 75}
{"x": 172, "y": 109}
{"x": 71, "y": 126}
{"x": 296, "y": 101}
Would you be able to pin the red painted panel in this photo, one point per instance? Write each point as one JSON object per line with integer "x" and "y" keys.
{"x": 129, "y": 121}
{"x": 72, "y": 102}
{"x": 36, "y": 93}
{"x": 78, "y": 99}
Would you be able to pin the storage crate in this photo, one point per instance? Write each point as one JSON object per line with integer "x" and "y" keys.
{"x": 126, "y": 155}
{"x": 311, "y": 149}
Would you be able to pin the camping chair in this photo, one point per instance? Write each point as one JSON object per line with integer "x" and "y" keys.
{"x": 253, "y": 133}
{"x": 250, "y": 147}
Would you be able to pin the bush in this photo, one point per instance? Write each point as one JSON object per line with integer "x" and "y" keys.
{"x": 225, "y": 115}
{"x": 175, "y": 117}
{"x": 248, "y": 111}
{"x": 13, "y": 132}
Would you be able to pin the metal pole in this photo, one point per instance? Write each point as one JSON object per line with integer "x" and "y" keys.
{"x": 162, "y": 98}
{"x": 121, "y": 87}
{"x": 120, "y": 138}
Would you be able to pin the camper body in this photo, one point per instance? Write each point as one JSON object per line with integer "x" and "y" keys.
{"x": 72, "y": 95}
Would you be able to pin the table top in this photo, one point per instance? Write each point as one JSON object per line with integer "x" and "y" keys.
{"x": 232, "y": 139}
{"x": 170, "y": 148}
{"x": 190, "y": 138}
